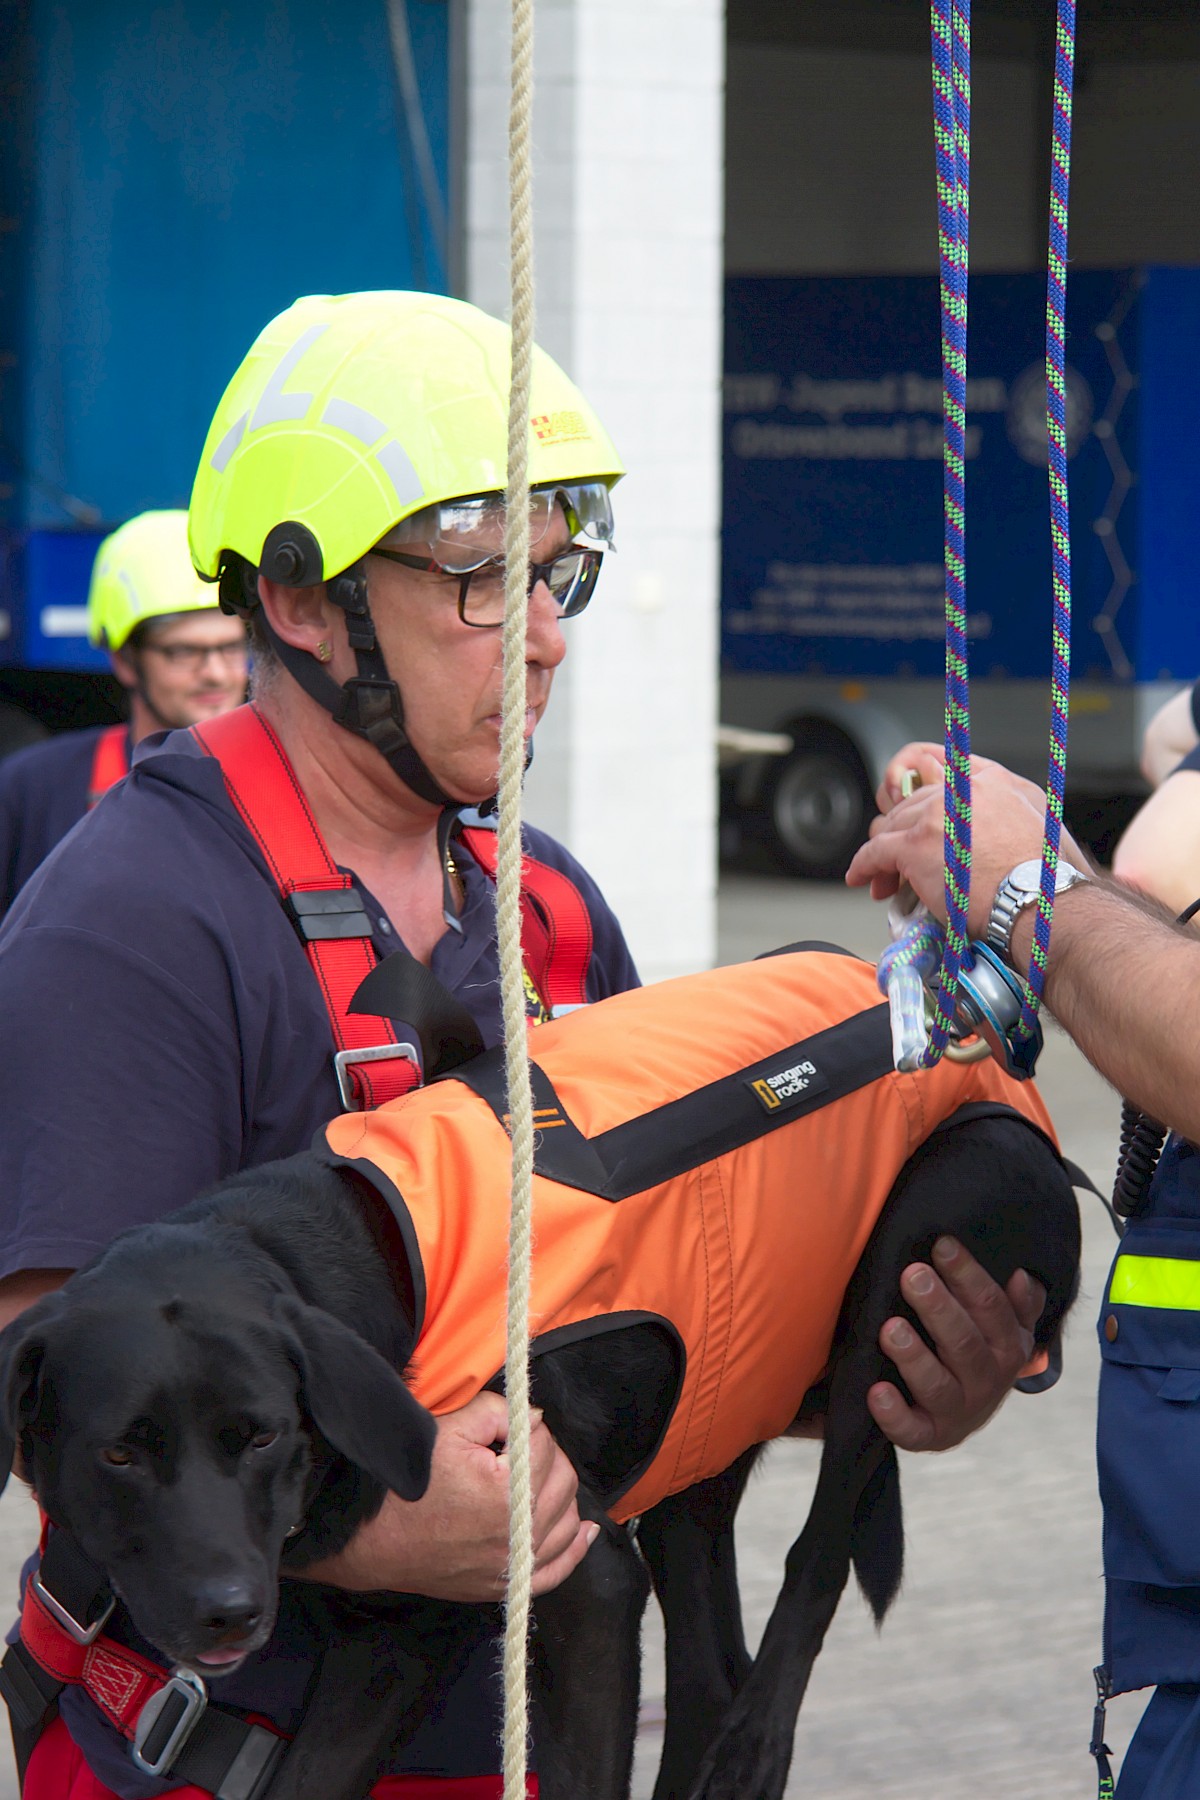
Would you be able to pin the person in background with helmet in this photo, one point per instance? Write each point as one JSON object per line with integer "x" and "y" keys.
{"x": 349, "y": 502}
{"x": 177, "y": 656}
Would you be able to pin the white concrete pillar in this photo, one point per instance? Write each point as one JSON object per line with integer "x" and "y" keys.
{"x": 628, "y": 209}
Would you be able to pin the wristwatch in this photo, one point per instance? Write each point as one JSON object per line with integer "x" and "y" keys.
{"x": 1019, "y": 889}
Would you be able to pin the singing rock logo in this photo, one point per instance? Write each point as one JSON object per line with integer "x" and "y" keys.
{"x": 559, "y": 427}
{"x": 786, "y": 1086}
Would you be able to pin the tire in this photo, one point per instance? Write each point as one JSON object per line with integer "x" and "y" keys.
{"x": 818, "y": 804}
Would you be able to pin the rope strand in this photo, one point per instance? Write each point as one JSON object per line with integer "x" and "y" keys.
{"x": 950, "y": 36}
{"x": 1060, "y": 519}
{"x": 508, "y": 907}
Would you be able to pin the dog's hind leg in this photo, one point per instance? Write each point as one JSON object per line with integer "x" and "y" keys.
{"x": 687, "y": 1541}
{"x": 858, "y": 1486}
{"x": 586, "y": 1656}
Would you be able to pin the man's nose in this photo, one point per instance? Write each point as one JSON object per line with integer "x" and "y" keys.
{"x": 545, "y": 644}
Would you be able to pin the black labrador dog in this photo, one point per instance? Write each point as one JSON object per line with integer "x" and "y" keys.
{"x": 215, "y": 1401}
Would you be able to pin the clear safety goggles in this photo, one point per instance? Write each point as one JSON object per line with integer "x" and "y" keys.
{"x": 463, "y": 535}
{"x": 464, "y": 539}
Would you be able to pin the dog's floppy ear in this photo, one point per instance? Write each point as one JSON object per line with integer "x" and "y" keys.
{"x": 358, "y": 1401}
{"x": 22, "y": 1349}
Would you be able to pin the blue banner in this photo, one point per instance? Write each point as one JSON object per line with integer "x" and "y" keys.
{"x": 832, "y": 542}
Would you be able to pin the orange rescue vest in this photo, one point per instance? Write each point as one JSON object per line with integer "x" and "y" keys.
{"x": 713, "y": 1152}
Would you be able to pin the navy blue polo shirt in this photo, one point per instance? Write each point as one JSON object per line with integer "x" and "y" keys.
{"x": 44, "y": 790}
{"x": 160, "y": 1028}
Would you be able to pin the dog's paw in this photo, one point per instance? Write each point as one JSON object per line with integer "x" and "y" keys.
{"x": 745, "y": 1762}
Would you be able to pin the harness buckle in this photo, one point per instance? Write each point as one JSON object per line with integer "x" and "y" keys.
{"x": 167, "y": 1721}
{"x": 81, "y": 1634}
{"x": 345, "y": 1060}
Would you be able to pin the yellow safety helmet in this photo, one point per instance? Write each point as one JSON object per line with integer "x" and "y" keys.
{"x": 353, "y": 412}
{"x": 357, "y": 417}
{"x": 143, "y": 571}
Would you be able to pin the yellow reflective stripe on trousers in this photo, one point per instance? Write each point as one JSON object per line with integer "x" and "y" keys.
{"x": 1168, "y": 1281}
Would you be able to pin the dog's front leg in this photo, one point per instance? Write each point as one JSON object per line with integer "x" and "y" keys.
{"x": 586, "y": 1668}
{"x": 687, "y": 1541}
{"x": 380, "y": 1675}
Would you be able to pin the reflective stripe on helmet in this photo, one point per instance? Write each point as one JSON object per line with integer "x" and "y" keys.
{"x": 399, "y": 403}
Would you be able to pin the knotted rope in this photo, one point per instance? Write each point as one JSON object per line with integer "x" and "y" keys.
{"x": 508, "y": 904}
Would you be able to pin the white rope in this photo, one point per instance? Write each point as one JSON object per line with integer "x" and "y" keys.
{"x": 508, "y": 904}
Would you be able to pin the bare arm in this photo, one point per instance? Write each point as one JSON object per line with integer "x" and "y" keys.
{"x": 1159, "y": 853}
{"x": 1169, "y": 737}
{"x": 1122, "y": 979}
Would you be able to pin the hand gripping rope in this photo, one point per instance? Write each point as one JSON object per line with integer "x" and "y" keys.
{"x": 508, "y": 906}
{"x": 973, "y": 989}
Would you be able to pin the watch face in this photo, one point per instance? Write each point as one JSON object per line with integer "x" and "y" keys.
{"x": 1027, "y": 876}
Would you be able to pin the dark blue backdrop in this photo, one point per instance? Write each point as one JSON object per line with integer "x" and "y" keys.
{"x": 832, "y": 499}
{"x": 179, "y": 172}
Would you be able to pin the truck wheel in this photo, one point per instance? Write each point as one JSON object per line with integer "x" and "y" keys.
{"x": 819, "y": 803}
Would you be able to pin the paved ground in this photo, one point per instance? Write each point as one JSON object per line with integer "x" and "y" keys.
{"x": 980, "y": 1681}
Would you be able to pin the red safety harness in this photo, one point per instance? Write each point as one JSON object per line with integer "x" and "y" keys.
{"x": 328, "y": 912}
{"x": 110, "y": 762}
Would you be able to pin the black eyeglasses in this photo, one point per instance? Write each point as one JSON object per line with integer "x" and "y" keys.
{"x": 571, "y": 577}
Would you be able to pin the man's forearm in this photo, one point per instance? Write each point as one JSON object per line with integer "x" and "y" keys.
{"x": 1124, "y": 981}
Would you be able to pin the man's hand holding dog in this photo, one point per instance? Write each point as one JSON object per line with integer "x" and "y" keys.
{"x": 453, "y": 1543}
{"x": 982, "y": 1333}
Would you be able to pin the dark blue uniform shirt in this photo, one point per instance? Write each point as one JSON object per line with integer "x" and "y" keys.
{"x": 44, "y": 790}
{"x": 160, "y": 1028}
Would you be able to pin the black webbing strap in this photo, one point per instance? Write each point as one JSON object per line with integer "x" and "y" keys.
{"x": 699, "y": 1126}
{"x": 1098, "y": 1748}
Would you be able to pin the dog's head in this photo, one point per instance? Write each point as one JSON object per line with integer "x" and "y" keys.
{"x": 173, "y": 1434}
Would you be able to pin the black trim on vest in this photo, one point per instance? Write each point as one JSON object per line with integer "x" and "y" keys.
{"x": 698, "y": 1127}
{"x": 580, "y": 1331}
{"x": 390, "y": 1194}
{"x": 810, "y": 947}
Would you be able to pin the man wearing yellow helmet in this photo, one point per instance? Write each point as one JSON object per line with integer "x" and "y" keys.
{"x": 349, "y": 503}
{"x": 171, "y": 649}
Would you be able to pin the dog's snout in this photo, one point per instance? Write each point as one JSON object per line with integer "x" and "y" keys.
{"x": 228, "y": 1610}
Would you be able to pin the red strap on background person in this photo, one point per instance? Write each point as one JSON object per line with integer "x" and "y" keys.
{"x": 323, "y": 904}
{"x": 110, "y": 762}
{"x": 556, "y": 926}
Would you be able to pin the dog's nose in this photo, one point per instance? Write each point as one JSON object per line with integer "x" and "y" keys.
{"x": 228, "y": 1610}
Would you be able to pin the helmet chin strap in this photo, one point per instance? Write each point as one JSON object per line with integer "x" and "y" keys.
{"x": 369, "y": 705}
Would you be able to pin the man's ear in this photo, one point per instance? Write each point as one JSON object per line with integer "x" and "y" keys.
{"x": 358, "y": 1401}
{"x": 22, "y": 1353}
{"x": 125, "y": 669}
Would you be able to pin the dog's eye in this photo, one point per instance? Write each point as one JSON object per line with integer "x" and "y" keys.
{"x": 117, "y": 1455}
{"x": 263, "y": 1439}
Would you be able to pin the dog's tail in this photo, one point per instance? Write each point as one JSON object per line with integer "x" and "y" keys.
{"x": 877, "y": 1537}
